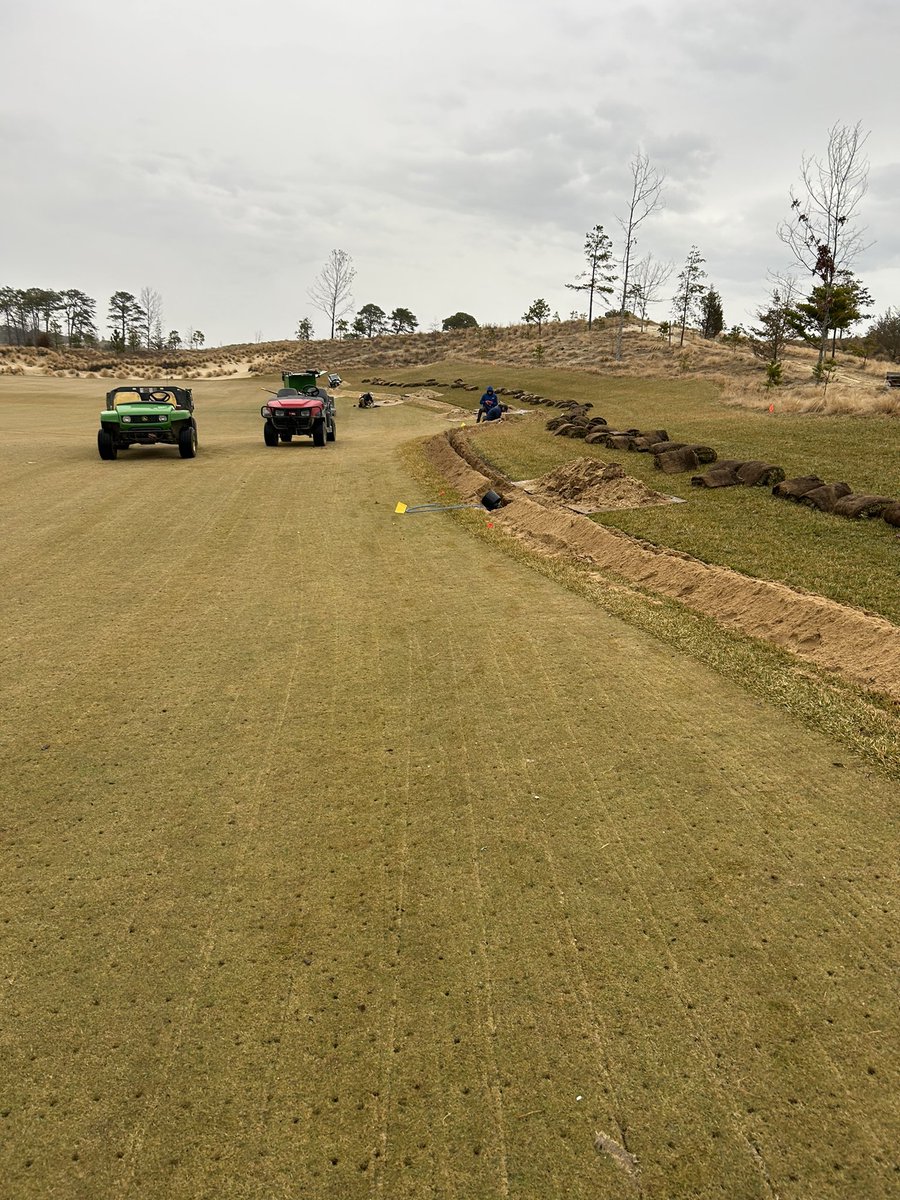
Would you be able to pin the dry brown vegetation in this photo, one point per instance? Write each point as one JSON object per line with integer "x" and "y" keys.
{"x": 857, "y": 386}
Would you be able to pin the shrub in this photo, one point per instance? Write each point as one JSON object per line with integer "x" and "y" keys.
{"x": 774, "y": 374}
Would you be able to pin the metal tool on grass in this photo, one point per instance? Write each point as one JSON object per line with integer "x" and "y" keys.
{"x": 430, "y": 508}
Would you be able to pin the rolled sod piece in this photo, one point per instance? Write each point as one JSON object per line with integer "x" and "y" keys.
{"x": 759, "y": 474}
{"x": 673, "y": 462}
{"x": 724, "y": 475}
{"x": 705, "y": 454}
{"x": 892, "y": 513}
{"x": 825, "y": 497}
{"x": 861, "y": 504}
{"x": 663, "y": 446}
{"x": 793, "y": 489}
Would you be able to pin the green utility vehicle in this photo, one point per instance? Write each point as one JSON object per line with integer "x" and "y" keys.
{"x": 154, "y": 414}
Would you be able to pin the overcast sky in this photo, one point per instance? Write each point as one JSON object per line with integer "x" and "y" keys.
{"x": 218, "y": 150}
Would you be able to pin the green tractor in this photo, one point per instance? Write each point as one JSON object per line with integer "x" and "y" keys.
{"x": 150, "y": 415}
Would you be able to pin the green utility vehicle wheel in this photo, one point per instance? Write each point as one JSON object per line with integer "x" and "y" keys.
{"x": 187, "y": 442}
{"x": 106, "y": 445}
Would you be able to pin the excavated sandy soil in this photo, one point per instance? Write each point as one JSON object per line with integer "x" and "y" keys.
{"x": 587, "y": 485}
{"x": 857, "y": 645}
{"x": 428, "y": 398}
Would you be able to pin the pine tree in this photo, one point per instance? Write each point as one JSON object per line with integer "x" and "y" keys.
{"x": 597, "y": 280}
{"x": 691, "y": 284}
{"x": 537, "y": 314}
{"x": 712, "y": 322}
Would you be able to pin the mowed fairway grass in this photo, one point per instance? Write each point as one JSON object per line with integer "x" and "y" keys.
{"x": 345, "y": 856}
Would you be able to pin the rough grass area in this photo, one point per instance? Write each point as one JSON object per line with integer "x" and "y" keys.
{"x": 866, "y": 723}
{"x": 854, "y": 562}
{"x": 346, "y": 856}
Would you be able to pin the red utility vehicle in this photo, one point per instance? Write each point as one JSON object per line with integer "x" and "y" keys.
{"x": 303, "y": 410}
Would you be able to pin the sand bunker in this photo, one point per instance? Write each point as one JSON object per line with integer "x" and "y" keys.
{"x": 858, "y": 645}
{"x": 587, "y": 485}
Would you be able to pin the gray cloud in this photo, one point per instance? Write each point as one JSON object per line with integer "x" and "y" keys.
{"x": 459, "y": 154}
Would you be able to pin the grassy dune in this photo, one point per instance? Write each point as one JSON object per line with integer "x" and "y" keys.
{"x": 347, "y": 856}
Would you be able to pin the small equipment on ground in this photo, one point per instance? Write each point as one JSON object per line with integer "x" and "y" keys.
{"x": 366, "y": 400}
{"x": 300, "y": 408}
{"x": 334, "y": 380}
{"x": 155, "y": 414}
{"x": 489, "y": 501}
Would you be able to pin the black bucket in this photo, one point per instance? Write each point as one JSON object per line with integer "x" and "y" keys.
{"x": 491, "y": 500}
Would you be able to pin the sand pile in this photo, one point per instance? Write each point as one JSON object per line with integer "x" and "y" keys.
{"x": 588, "y": 485}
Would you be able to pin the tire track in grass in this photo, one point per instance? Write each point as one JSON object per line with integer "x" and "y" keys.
{"x": 566, "y": 942}
{"x": 396, "y": 909}
{"x": 426, "y": 704}
{"x": 827, "y": 1061}
{"x": 484, "y": 993}
{"x": 591, "y": 1025}
{"x": 389, "y": 1175}
{"x": 439, "y": 970}
{"x": 321, "y": 595}
{"x": 646, "y": 906}
{"x": 296, "y": 614}
{"x": 188, "y": 1009}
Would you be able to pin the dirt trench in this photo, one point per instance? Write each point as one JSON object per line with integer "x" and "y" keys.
{"x": 859, "y": 646}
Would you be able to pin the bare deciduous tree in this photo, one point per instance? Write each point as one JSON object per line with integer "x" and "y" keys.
{"x": 821, "y": 232}
{"x": 150, "y": 306}
{"x": 331, "y": 291}
{"x": 647, "y": 280}
{"x": 646, "y": 198}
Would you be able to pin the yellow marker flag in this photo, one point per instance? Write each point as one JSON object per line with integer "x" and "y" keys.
{"x": 401, "y": 507}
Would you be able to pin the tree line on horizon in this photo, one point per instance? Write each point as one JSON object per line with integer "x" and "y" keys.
{"x": 52, "y": 319}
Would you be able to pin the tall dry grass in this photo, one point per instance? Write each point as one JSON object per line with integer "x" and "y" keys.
{"x": 856, "y": 387}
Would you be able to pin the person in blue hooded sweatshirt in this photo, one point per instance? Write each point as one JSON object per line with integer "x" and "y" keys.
{"x": 487, "y": 402}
